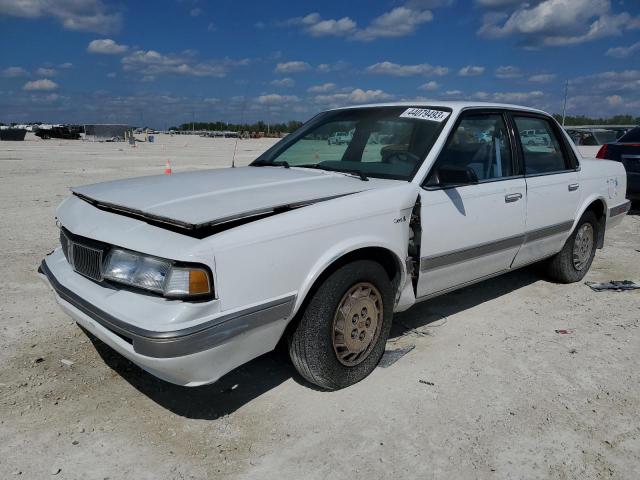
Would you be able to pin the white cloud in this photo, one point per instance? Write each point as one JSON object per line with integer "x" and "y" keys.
{"x": 542, "y": 78}
{"x": 364, "y": 96}
{"x": 276, "y": 99}
{"x": 430, "y": 86}
{"x": 292, "y": 67}
{"x": 325, "y": 87}
{"x": 195, "y": 12}
{"x": 398, "y": 22}
{"x": 397, "y": 70}
{"x": 283, "y": 82}
{"x": 614, "y": 100}
{"x": 453, "y": 93}
{"x": 40, "y": 85}
{"x": 508, "y": 71}
{"x": 337, "y": 28}
{"x": 14, "y": 72}
{"x": 332, "y": 67}
{"x": 45, "y": 72}
{"x": 66, "y": 65}
{"x": 80, "y": 15}
{"x": 211, "y": 27}
{"x": 151, "y": 64}
{"x": 106, "y": 46}
{"x": 510, "y": 97}
{"x": 558, "y": 22}
{"x": 357, "y": 95}
{"x": 497, "y": 3}
{"x": 471, "y": 71}
{"x": 624, "y": 52}
{"x": 112, "y": 75}
{"x": 611, "y": 82}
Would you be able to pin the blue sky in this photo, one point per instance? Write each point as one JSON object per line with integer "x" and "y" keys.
{"x": 164, "y": 62}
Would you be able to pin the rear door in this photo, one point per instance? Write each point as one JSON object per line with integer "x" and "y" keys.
{"x": 472, "y": 231}
{"x": 553, "y": 189}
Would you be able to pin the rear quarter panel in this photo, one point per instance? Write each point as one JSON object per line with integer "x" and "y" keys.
{"x": 602, "y": 180}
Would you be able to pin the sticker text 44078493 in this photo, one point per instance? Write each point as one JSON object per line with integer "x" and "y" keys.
{"x": 425, "y": 114}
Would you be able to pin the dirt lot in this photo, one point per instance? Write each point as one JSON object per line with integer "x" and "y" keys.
{"x": 487, "y": 389}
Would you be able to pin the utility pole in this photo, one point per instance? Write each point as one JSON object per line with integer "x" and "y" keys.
{"x": 564, "y": 106}
{"x": 193, "y": 121}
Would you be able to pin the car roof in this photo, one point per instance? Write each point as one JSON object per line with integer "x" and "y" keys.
{"x": 456, "y": 106}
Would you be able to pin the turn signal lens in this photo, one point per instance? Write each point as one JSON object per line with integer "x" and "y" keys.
{"x": 187, "y": 282}
{"x": 199, "y": 282}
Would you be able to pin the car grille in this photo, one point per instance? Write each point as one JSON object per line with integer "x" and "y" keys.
{"x": 84, "y": 258}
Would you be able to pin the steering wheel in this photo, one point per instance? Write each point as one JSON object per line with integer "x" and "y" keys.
{"x": 400, "y": 158}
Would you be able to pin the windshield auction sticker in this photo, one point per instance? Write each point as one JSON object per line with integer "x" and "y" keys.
{"x": 425, "y": 114}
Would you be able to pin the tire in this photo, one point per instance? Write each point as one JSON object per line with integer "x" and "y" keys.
{"x": 316, "y": 342}
{"x": 565, "y": 267}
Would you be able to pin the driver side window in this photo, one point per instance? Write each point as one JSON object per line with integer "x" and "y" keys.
{"x": 479, "y": 143}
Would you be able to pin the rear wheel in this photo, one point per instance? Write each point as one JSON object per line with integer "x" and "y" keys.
{"x": 343, "y": 331}
{"x": 572, "y": 263}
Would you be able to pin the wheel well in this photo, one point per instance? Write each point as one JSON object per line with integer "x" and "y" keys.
{"x": 598, "y": 208}
{"x": 381, "y": 255}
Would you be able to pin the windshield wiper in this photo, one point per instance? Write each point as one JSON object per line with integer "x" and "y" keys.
{"x": 265, "y": 163}
{"x": 351, "y": 171}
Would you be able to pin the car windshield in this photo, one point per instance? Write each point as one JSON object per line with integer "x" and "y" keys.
{"x": 384, "y": 142}
{"x": 632, "y": 135}
{"x": 604, "y": 136}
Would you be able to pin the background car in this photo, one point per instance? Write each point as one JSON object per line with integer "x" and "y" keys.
{"x": 534, "y": 138}
{"x": 338, "y": 138}
{"x": 627, "y": 151}
{"x": 590, "y": 139}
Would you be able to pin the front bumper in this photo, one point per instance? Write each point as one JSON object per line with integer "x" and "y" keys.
{"x": 198, "y": 354}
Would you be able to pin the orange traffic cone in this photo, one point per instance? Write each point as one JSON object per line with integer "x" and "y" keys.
{"x": 167, "y": 168}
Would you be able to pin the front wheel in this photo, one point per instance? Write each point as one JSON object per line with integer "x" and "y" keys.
{"x": 572, "y": 263}
{"x": 342, "y": 333}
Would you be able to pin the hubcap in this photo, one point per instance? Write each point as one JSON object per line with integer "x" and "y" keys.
{"x": 356, "y": 323}
{"x": 582, "y": 246}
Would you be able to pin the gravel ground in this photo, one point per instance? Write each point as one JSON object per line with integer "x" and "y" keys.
{"x": 486, "y": 389}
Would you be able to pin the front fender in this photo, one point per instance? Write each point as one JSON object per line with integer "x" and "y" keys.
{"x": 285, "y": 254}
{"x": 343, "y": 248}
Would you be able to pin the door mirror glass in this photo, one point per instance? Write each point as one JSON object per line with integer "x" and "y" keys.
{"x": 453, "y": 175}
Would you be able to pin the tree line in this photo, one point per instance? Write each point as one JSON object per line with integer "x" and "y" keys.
{"x": 576, "y": 121}
{"x": 241, "y": 127}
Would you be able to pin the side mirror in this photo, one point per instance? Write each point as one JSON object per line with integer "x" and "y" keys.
{"x": 450, "y": 175}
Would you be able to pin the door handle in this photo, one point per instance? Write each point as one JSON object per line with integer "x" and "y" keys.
{"x": 573, "y": 187}
{"x": 512, "y": 197}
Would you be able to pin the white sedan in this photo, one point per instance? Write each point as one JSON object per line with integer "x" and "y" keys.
{"x": 191, "y": 275}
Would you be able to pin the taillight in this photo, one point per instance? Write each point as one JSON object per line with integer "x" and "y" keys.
{"x": 602, "y": 153}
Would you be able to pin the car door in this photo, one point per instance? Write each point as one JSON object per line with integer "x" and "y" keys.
{"x": 553, "y": 188}
{"x": 470, "y": 232}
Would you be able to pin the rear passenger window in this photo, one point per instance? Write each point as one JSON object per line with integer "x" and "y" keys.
{"x": 480, "y": 142}
{"x": 540, "y": 146}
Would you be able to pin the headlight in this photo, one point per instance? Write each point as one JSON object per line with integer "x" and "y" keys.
{"x": 156, "y": 274}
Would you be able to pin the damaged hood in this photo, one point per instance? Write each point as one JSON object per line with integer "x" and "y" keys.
{"x": 206, "y": 197}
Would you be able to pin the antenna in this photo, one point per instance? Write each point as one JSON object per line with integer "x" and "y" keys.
{"x": 235, "y": 147}
{"x": 564, "y": 106}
